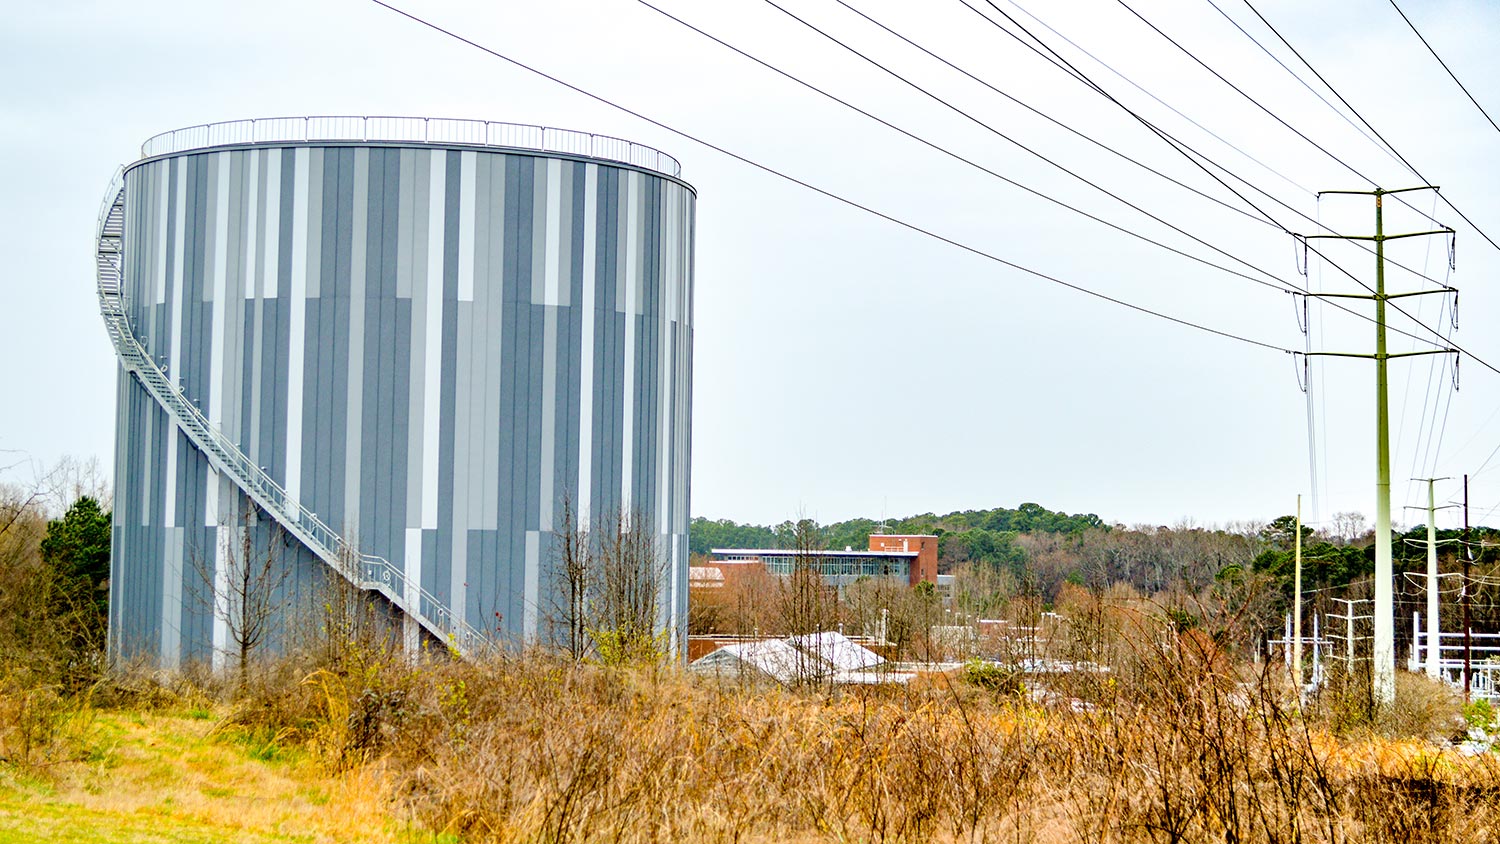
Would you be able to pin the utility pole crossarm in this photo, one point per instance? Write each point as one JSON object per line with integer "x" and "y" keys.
{"x": 1376, "y": 237}
{"x": 1376, "y": 192}
{"x": 1377, "y": 357}
{"x": 1443, "y": 289}
{"x": 1371, "y": 297}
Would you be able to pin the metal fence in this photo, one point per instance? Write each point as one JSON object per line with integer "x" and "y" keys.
{"x": 426, "y": 130}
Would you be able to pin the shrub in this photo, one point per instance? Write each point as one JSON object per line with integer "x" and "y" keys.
{"x": 993, "y": 677}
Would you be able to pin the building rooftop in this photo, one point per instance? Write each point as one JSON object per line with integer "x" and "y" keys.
{"x": 783, "y": 552}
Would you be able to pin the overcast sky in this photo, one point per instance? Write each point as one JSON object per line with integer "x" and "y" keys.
{"x": 844, "y": 365}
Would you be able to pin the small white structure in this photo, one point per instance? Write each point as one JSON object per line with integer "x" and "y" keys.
{"x": 776, "y": 659}
{"x": 827, "y": 656}
{"x": 838, "y": 650}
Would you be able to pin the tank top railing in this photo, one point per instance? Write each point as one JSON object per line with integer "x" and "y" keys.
{"x": 424, "y": 130}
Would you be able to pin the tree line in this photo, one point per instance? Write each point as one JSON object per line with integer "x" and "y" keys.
{"x": 1031, "y": 552}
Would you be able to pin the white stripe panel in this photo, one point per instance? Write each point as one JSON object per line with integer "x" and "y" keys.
{"x": 211, "y": 499}
{"x": 632, "y": 283}
{"x": 549, "y": 418}
{"x": 468, "y": 171}
{"x": 148, "y": 446}
{"x": 169, "y": 492}
{"x": 271, "y": 272}
{"x": 532, "y": 587}
{"x": 664, "y": 369}
{"x": 171, "y": 601}
{"x": 178, "y": 253}
{"x": 433, "y": 359}
{"x": 669, "y": 262}
{"x": 412, "y": 565}
{"x": 669, "y": 612}
{"x": 221, "y": 594}
{"x": 550, "y": 293}
{"x": 252, "y": 225}
{"x": 297, "y": 331}
{"x": 175, "y": 359}
{"x": 586, "y": 357}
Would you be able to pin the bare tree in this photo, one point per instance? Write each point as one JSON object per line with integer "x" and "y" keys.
{"x": 244, "y": 584}
{"x": 806, "y": 605}
{"x": 1349, "y": 526}
{"x": 346, "y": 625}
{"x": 628, "y": 571}
{"x": 575, "y": 560}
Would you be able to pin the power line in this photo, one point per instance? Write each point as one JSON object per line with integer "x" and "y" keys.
{"x": 821, "y": 191}
{"x": 1063, "y": 64}
{"x": 1039, "y": 113}
{"x": 1304, "y": 83}
{"x": 1263, "y": 219}
{"x": 1451, "y": 75}
{"x": 1184, "y": 149}
{"x": 1356, "y": 113}
{"x": 1080, "y": 76}
{"x": 970, "y": 162}
{"x": 1238, "y": 90}
{"x": 990, "y": 172}
{"x": 1418, "y": 452}
{"x": 1346, "y": 165}
{"x": 1178, "y": 145}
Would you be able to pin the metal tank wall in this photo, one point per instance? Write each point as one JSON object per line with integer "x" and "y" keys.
{"x": 429, "y": 347}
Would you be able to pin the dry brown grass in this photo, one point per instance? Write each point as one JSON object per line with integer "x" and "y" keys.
{"x": 1179, "y": 745}
{"x": 1174, "y": 750}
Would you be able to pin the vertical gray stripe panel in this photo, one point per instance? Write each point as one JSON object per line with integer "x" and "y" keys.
{"x": 417, "y": 340}
{"x": 338, "y": 194}
{"x": 510, "y": 529}
{"x": 493, "y": 292}
{"x": 355, "y": 374}
{"x": 570, "y": 412}
{"x": 317, "y": 220}
{"x": 279, "y": 310}
{"x": 316, "y": 324}
{"x": 437, "y": 577}
{"x": 379, "y": 299}
{"x": 400, "y": 399}
{"x": 470, "y": 495}
{"x": 390, "y": 472}
{"x": 233, "y": 267}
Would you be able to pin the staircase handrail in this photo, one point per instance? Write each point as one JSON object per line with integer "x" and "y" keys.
{"x": 366, "y": 571}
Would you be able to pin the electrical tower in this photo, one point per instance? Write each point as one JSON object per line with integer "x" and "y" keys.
{"x": 1383, "y": 668}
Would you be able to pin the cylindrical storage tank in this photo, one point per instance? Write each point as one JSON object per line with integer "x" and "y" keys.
{"x": 427, "y": 338}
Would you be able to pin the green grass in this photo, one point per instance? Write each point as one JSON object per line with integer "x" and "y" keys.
{"x": 141, "y": 778}
{"x": 48, "y": 822}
